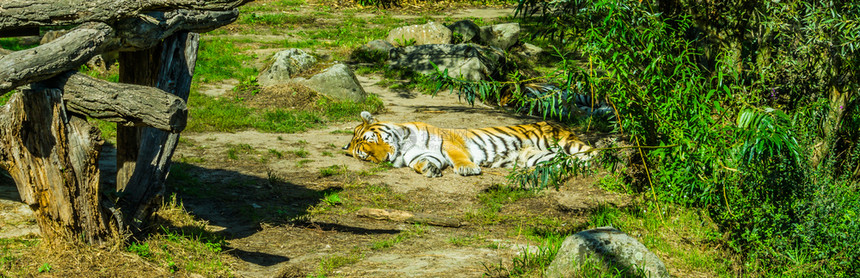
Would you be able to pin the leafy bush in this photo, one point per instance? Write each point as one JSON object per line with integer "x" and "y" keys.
{"x": 749, "y": 111}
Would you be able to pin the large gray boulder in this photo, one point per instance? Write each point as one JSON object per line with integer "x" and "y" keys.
{"x": 430, "y": 33}
{"x": 285, "y": 65}
{"x": 609, "y": 247}
{"x": 468, "y": 30}
{"x": 337, "y": 82}
{"x": 467, "y": 61}
{"x": 501, "y": 35}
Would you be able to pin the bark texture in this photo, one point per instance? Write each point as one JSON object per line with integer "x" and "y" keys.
{"x": 126, "y": 104}
{"x": 15, "y": 14}
{"x": 53, "y": 157}
{"x": 144, "y": 190}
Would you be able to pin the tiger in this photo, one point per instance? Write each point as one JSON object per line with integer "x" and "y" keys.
{"x": 429, "y": 150}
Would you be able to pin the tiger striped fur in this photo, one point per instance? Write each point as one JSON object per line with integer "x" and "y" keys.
{"x": 428, "y": 149}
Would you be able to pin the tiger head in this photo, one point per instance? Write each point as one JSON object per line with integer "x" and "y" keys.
{"x": 370, "y": 141}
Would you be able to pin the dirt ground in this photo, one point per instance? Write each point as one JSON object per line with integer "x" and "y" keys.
{"x": 278, "y": 246}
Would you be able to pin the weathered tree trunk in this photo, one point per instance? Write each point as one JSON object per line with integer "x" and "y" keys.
{"x": 143, "y": 190}
{"x": 53, "y": 157}
{"x": 139, "y": 68}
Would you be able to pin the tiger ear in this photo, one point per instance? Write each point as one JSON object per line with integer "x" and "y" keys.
{"x": 366, "y": 117}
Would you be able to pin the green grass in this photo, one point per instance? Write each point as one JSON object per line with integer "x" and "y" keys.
{"x": 531, "y": 263}
{"x": 417, "y": 230}
{"x": 219, "y": 59}
{"x": 15, "y": 44}
{"x": 228, "y": 115}
{"x": 5, "y": 98}
{"x": 11, "y": 250}
{"x": 300, "y": 152}
{"x": 233, "y": 151}
{"x": 274, "y": 6}
{"x": 333, "y": 170}
{"x": 275, "y": 20}
{"x": 330, "y": 262}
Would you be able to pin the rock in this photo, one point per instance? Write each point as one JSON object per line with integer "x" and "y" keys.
{"x": 430, "y": 33}
{"x": 529, "y": 51}
{"x": 286, "y": 64}
{"x": 373, "y": 51}
{"x": 337, "y": 82}
{"x": 609, "y": 247}
{"x": 468, "y": 31}
{"x": 501, "y": 35}
{"x": 468, "y": 61}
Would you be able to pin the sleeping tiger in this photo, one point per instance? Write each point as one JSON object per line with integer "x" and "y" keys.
{"x": 428, "y": 149}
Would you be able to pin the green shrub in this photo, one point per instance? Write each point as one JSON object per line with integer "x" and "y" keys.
{"x": 747, "y": 112}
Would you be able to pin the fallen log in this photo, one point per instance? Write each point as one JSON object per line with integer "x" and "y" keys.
{"x": 15, "y": 14}
{"x": 127, "y": 104}
{"x": 408, "y": 217}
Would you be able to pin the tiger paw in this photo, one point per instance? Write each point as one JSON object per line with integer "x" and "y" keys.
{"x": 431, "y": 171}
{"x": 468, "y": 170}
{"x": 428, "y": 169}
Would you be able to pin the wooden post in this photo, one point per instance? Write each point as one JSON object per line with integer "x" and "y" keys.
{"x": 139, "y": 68}
{"x": 143, "y": 191}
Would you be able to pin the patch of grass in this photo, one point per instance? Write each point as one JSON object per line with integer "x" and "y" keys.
{"x": 394, "y": 80}
{"x": 291, "y": 43}
{"x": 212, "y": 114}
{"x": 341, "y": 131}
{"x": 15, "y": 44}
{"x": 275, "y": 153}
{"x": 499, "y": 195}
{"x": 233, "y": 151}
{"x": 275, "y": 20}
{"x": 347, "y": 110}
{"x": 108, "y": 129}
{"x": 220, "y": 59}
{"x": 334, "y": 261}
{"x": 417, "y": 230}
{"x": 327, "y": 153}
{"x": 183, "y": 244}
{"x": 11, "y": 251}
{"x": 5, "y": 98}
{"x": 461, "y": 241}
{"x": 301, "y": 163}
{"x": 300, "y": 152}
{"x": 381, "y": 167}
{"x": 332, "y": 198}
{"x": 531, "y": 263}
{"x": 333, "y": 170}
{"x": 614, "y": 183}
{"x": 45, "y": 267}
{"x": 141, "y": 250}
{"x": 604, "y": 215}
